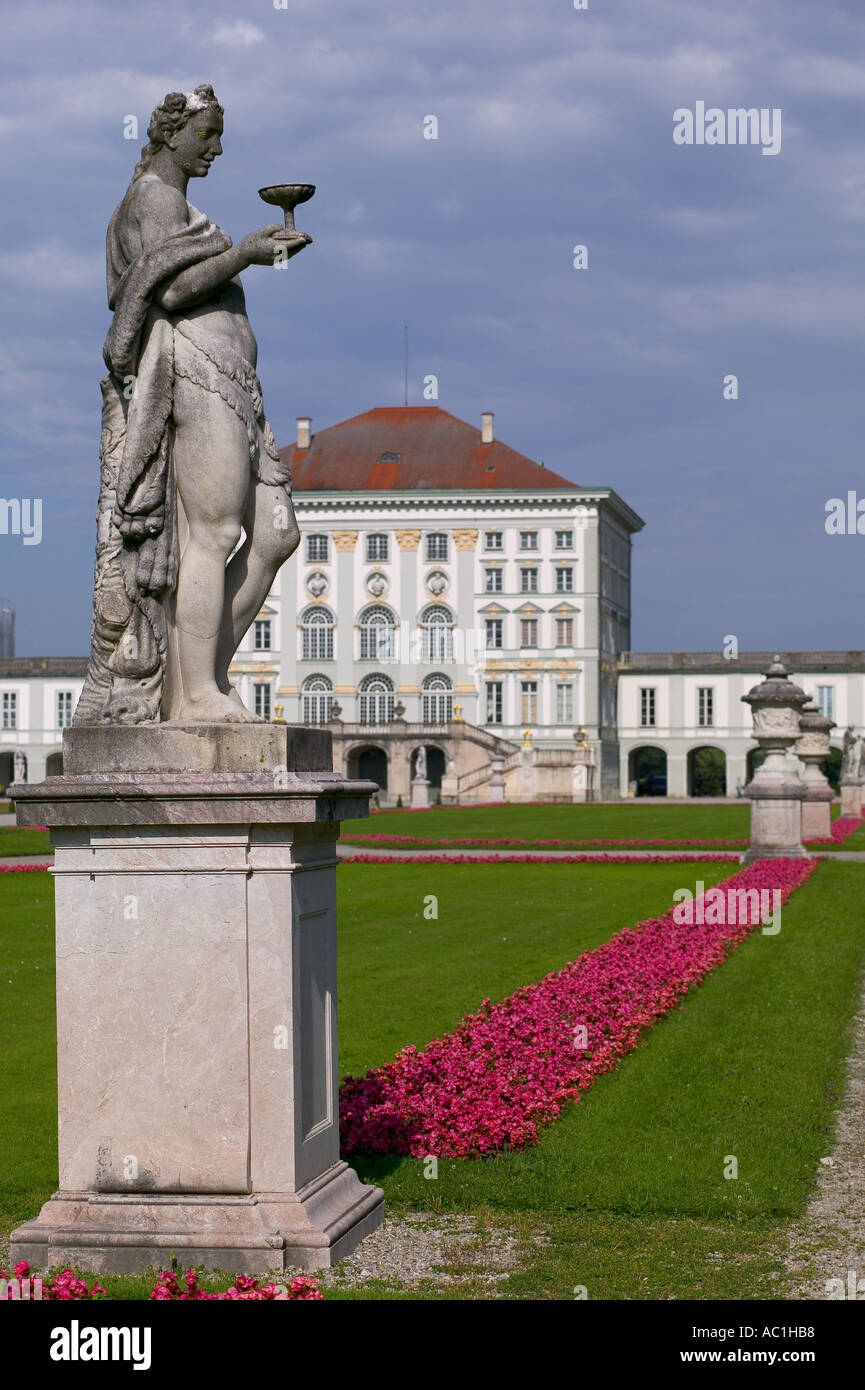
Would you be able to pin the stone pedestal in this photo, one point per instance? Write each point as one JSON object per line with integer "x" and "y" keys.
{"x": 497, "y": 789}
{"x": 420, "y": 791}
{"x": 776, "y": 791}
{"x": 196, "y": 1001}
{"x": 811, "y": 749}
{"x": 851, "y": 799}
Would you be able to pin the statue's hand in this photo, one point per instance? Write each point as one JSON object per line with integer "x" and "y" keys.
{"x": 263, "y": 247}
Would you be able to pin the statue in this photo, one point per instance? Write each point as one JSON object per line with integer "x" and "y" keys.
{"x": 849, "y": 769}
{"x": 860, "y": 768}
{"x": 187, "y": 456}
{"x": 420, "y": 764}
{"x": 20, "y": 765}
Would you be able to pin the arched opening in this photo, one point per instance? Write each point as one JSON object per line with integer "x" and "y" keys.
{"x": 437, "y": 700}
{"x": 7, "y": 771}
{"x": 435, "y": 765}
{"x": 647, "y": 771}
{"x": 376, "y": 700}
{"x": 54, "y": 764}
{"x": 316, "y": 635}
{"x": 754, "y": 759}
{"x": 707, "y": 772}
{"x": 377, "y": 629}
{"x": 437, "y": 633}
{"x": 369, "y": 762}
{"x": 316, "y": 700}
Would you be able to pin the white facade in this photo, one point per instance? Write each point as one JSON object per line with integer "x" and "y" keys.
{"x": 679, "y": 702}
{"x": 505, "y": 612}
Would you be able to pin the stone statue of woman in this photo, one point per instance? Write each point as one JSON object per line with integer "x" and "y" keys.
{"x": 848, "y": 757}
{"x": 187, "y": 456}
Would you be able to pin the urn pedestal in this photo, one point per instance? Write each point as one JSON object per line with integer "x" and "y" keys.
{"x": 811, "y": 748}
{"x": 851, "y": 798}
{"x": 420, "y": 791}
{"x": 776, "y": 791}
{"x": 196, "y": 1001}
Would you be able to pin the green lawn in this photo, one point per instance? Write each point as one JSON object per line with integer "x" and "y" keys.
{"x": 625, "y": 1194}
{"x": 14, "y": 841}
{"x": 645, "y": 819}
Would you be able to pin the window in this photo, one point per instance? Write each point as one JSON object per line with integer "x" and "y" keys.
{"x": 529, "y": 580}
{"x": 528, "y": 540}
{"x": 492, "y": 581}
{"x": 376, "y": 546}
{"x": 529, "y": 632}
{"x": 316, "y": 700}
{"x": 317, "y": 635}
{"x": 564, "y": 579}
{"x": 647, "y": 706}
{"x": 316, "y": 549}
{"x": 437, "y": 700}
{"x": 437, "y": 546}
{"x": 564, "y": 540}
{"x": 376, "y": 700}
{"x": 564, "y": 704}
{"x": 377, "y": 634}
{"x": 10, "y": 709}
{"x": 494, "y": 540}
{"x": 529, "y": 710}
{"x": 64, "y": 709}
{"x": 826, "y": 701}
{"x": 437, "y": 635}
{"x": 262, "y": 700}
{"x": 261, "y": 638}
{"x": 494, "y": 627}
{"x": 494, "y": 702}
{"x": 705, "y": 706}
{"x": 564, "y": 632}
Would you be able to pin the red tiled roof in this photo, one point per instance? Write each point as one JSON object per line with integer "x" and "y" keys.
{"x": 435, "y": 451}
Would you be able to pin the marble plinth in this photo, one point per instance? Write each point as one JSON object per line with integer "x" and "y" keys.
{"x": 817, "y": 813}
{"x": 851, "y": 799}
{"x": 196, "y": 1001}
{"x": 420, "y": 791}
{"x": 776, "y": 818}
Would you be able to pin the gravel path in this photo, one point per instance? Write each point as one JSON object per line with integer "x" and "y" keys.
{"x": 829, "y": 1241}
{"x": 407, "y": 1250}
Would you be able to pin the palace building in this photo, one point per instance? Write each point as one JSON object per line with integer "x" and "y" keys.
{"x": 450, "y": 592}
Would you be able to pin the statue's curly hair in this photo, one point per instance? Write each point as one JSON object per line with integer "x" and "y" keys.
{"x": 170, "y": 116}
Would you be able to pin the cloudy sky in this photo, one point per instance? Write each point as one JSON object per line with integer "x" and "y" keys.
{"x": 555, "y": 128}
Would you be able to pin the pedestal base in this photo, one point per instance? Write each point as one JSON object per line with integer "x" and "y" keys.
{"x": 817, "y": 817}
{"x": 122, "y": 1233}
{"x": 195, "y": 876}
{"x": 851, "y": 799}
{"x": 776, "y": 826}
{"x": 420, "y": 792}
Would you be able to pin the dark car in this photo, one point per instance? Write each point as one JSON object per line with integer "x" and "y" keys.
{"x": 658, "y": 785}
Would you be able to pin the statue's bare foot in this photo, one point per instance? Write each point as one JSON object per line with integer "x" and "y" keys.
{"x": 216, "y": 708}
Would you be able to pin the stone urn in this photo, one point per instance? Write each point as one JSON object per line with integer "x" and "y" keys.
{"x": 811, "y": 748}
{"x": 776, "y": 791}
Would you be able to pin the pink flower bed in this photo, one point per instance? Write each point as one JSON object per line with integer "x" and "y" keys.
{"x": 24, "y": 868}
{"x": 841, "y": 830}
{"x": 65, "y": 1287}
{"x": 512, "y": 1066}
{"x": 512, "y": 840}
{"x": 504, "y": 858}
{"x": 167, "y": 1289}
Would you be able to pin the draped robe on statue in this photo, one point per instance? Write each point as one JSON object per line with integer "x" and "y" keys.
{"x": 129, "y": 677}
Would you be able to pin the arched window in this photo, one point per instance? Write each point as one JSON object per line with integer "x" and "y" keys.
{"x": 376, "y": 700}
{"x": 317, "y": 699}
{"x": 317, "y": 635}
{"x": 437, "y": 700}
{"x": 437, "y": 634}
{"x": 377, "y": 634}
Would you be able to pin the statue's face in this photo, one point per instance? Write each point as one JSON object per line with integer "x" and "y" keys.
{"x": 196, "y": 145}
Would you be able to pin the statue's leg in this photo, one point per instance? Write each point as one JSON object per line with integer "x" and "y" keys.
{"x": 211, "y": 459}
{"x": 271, "y": 537}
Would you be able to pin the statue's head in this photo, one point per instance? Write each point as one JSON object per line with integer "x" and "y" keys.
{"x": 188, "y": 127}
